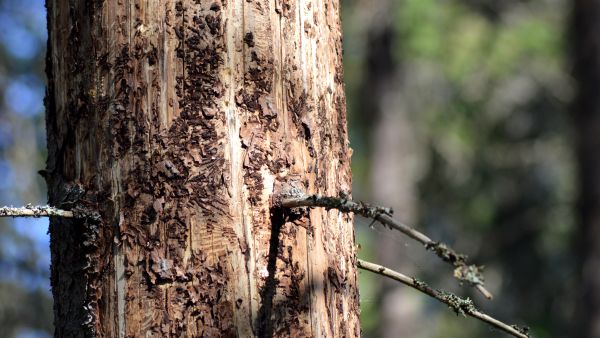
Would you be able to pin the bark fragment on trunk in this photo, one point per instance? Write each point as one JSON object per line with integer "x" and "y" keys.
{"x": 177, "y": 121}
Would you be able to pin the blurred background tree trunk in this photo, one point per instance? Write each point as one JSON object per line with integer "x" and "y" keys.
{"x": 393, "y": 158}
{"x": 178, "y": 121}
{"x": 458, "y": 105}
{"x": 586, "y": 61}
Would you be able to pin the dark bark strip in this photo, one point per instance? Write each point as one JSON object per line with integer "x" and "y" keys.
{"x": 586, "y": 65}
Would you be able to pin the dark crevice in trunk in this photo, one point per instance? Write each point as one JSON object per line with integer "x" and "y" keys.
{"x": 265, "y": 324}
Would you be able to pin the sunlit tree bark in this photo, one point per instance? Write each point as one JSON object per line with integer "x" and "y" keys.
{"x": 178, "y": 121}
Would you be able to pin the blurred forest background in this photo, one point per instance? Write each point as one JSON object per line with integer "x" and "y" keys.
{"x": 471, "y": 118}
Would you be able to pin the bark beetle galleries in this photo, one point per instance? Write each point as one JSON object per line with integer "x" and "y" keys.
{"x": 178, "y": 119}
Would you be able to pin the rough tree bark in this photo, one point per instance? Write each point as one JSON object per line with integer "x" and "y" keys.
{"x": 178, "y": 121}
{"x": 585, "y": 32}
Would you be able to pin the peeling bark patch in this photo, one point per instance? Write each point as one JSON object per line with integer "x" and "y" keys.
{"x": 120, "y": 120}
{"x": 201, "y": 307}
{"x": 160, "y": 270}
{"x": 249, "y": 39}
{"x": 180, "y": 181}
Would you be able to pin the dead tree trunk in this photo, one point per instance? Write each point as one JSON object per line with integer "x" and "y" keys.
{"x": 178, "y": 121}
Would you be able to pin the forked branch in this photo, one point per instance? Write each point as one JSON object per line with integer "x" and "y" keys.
{"x": 460, "y": 305}
{"x": 462, "y": 271}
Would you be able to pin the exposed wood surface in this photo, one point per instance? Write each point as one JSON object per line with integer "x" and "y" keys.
{"x": 177, "y": 121}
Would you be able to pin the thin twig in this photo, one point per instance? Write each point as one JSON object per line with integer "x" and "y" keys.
{"x": 463, "y": 271}
{"x": 35, "y": 211}
{"x": 460, "y": 305}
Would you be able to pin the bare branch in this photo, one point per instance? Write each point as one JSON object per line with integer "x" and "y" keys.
{"x": 463, "y": 271}
{"x": 35, "y": 211}
{"x": 460, "y": 305}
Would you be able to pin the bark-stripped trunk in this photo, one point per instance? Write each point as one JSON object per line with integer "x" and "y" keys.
{"x": 178, "y": 121}
{"x": 586, "y": 55}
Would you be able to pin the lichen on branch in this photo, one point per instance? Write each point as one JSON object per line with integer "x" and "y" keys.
{"x": 35, "y": 211}
{"x": 471, "y": 274}
{"x": 461, "y": 306}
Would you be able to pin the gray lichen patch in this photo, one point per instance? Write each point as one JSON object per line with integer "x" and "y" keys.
{"x": 469, "y": 273}
{"x": 472, "y": 274}
{"x": 461, "y": 306}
